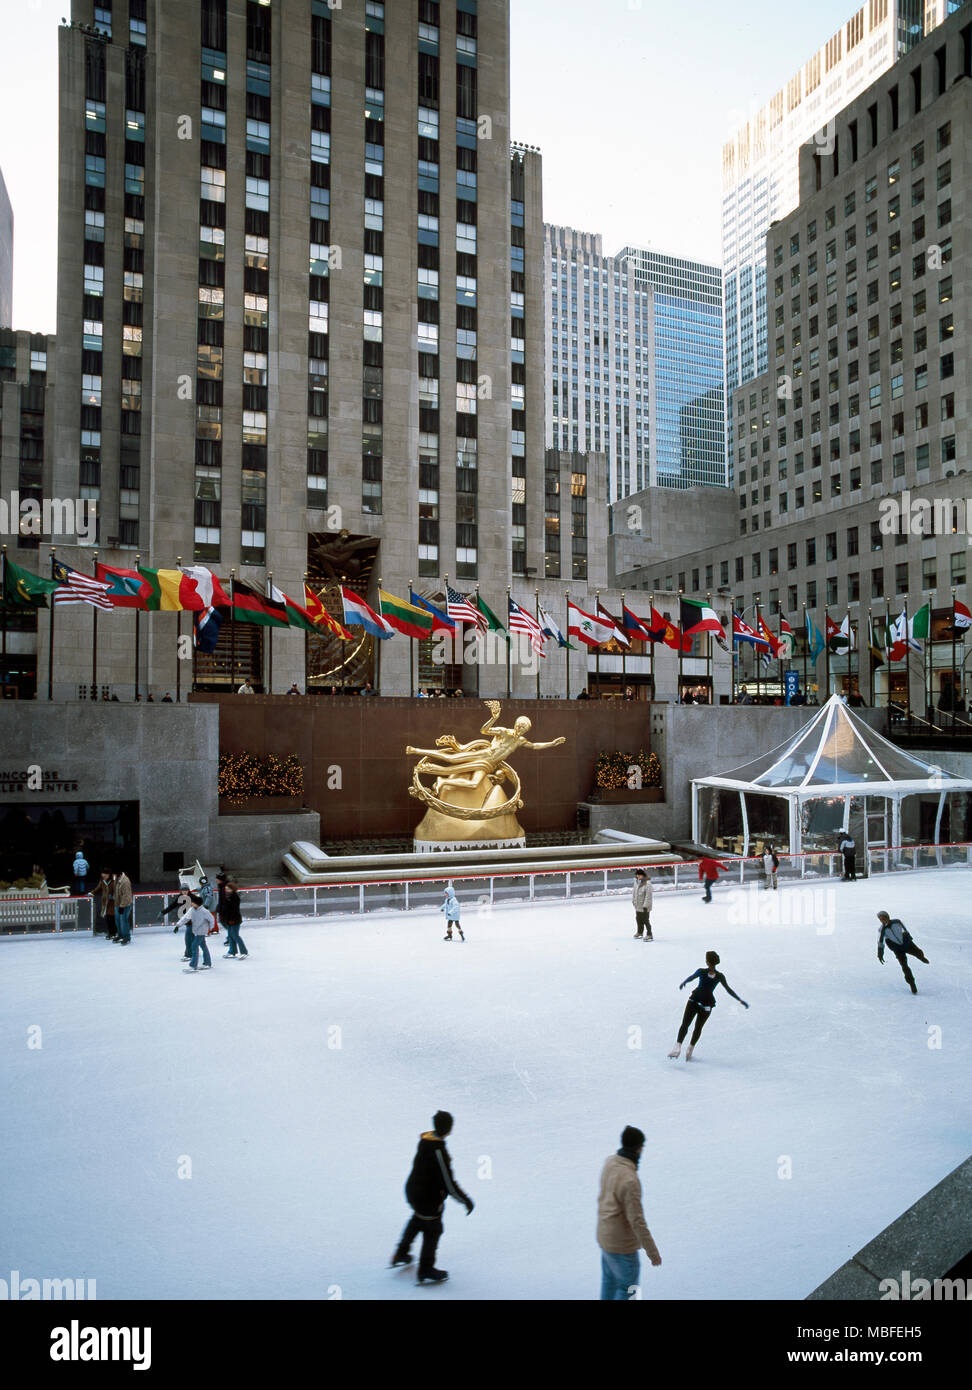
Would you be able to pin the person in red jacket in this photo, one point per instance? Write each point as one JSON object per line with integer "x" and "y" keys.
{"x": 709, "y": 870}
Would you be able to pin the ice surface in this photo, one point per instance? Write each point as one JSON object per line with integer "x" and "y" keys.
{"x": 299, "y": 1148}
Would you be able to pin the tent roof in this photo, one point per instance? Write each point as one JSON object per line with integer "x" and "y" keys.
{"x": 836, "y": 753}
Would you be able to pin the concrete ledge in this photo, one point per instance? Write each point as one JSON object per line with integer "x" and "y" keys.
{"x": 927, "y": 1240}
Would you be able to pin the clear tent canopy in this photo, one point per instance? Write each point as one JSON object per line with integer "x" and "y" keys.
{"x": 836, "y": 774}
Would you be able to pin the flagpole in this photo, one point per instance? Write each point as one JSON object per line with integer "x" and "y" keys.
{"x": 178, "y": 644}
{"x": 94, "y": 638}
{"x": 597, "y": 659}
{"x": 651, "y": 649}
{"x": 757, "y": 663}
{"x": 509, "y": 648}
{"x": 624, "y": 652}
{"x": 567, "y": 648}
{"x": 3, "y": 605}
{"x": 826, "y": 635}
{"x": 806, "y": 643}
{"x": 232, "y": 629}
{"x": 50, "y": 644}
{"x": 681, "y": 644}
{"x": 907, "y": 658}
{"x": 269, "y": 592}
{"x": 536, "y": 614}
{"x": 887, "y": 647}
{"x": 411, "y": 679}
{"x": 462, "y": 642}
{"x": 138, "y": 630}
{"x": 709, "y": 675}
{"x": 952, "y": 673}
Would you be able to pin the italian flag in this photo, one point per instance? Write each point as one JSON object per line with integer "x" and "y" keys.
{"x": 405, "y": 617}
{"x": 170, "y": 591}
{"x": 699, "y": 617}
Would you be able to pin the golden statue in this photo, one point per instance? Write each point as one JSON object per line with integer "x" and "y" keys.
{"x": 468, "y": 801}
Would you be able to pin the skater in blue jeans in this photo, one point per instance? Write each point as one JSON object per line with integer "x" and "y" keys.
{"x": 621, "y": 1226}
{"x": 200, "y": 919}
{"x": 231, "y": 916}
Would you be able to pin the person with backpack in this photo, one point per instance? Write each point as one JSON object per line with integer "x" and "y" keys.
{"x": 701, "y": 1003}
{"x": 898, "y": 939}
{"x": 430, "y": 1182}
{"x": 200, "y": 919}
{"x": 451, "y": 909}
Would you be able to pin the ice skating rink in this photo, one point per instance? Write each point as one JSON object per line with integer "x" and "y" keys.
{"x": 293, "y": 1088}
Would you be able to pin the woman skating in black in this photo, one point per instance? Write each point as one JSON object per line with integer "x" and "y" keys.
{"x": 701, "y": 1003}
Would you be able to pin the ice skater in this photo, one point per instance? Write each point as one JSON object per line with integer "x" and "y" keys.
{"x": 231, "y": 916}
{"x": 429, "y": 1183}
{"x": 701, "y": 1003}
{"x": 709, "y": 870}
{"x": 896, "y": 936}
{"x": 848, "y": 849}
{"x": 621, "y": 1226}
{"x": 641, "y": 897}
{"x": 450, "y": 907}
{"x": 770, "y": 865}
{"x": 201, "y": 920}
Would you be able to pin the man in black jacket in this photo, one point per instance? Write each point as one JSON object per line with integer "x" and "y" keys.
{"x": 429, "y": 1183}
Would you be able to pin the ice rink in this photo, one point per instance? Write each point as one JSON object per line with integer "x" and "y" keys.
{"x": 246, "y": 1132}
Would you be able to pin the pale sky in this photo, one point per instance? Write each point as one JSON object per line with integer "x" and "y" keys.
{"x": 629, "y": 100}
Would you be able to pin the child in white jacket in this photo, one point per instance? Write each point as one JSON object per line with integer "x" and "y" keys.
{"x": 451, "y": 909}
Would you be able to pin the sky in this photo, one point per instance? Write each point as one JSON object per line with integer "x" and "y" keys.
{"x": 630, "y": 102}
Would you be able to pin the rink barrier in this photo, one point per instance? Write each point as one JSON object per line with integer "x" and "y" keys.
{"x": 40, "y": 917}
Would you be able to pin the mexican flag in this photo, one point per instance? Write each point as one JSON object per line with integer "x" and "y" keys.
{"x": 405, "y": 617}
{"x": 170, "y": 591}
{"x": 699, "y": 617}
{"x": 23, "y": 589}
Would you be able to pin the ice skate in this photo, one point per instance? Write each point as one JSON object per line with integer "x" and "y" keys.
{"x": 688, "y": 1052}
{"x": 914, "y": 987}
{"x": 676, "y": 1050}
{"x": 434, "y": 1276}
{"x": 399, "y": 1261}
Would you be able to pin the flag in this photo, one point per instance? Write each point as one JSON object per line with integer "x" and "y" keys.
{"x": 522, "y": 621}
{"x": 668, "y": 633}
{"x": 208, "y": 587}
{"x": 459, "y": 609}
{"x": 170, "y": 591}
{"x": 593, "y": 631}
{"x": 404, "y": 617}
{"x": 488, "y": 621}
{"x": 634, "y": 627}
{"x": 297, "y": 616}
{"x": 24, "y": 589}
{"x": 847, "y": 633}
{"x": 75, "y": 587}
{"x": 205, "y": 628}
{"x": 815, "y": 641}
{"x": 322, "y": 618}
{"x": 921, "y": 624}
{"x": 961, "y": 617}
{"x": 786, "y": 639}
{"x": 877, "y": 652}
{"x": 698, "y": 617}
{"x": 742, "y": 632}
{"x": 250, "y": 606}
{"x": 619, "y": 633}
{"x": 551, "y": 629}
{"x": 440, "y": 620}
{"x": 836, "y": 637}
{"x": 127, "y": 588}
{"x": 357, "y": 612}
{"x": 902, "y": 638}
{"x": 767, "y": 636}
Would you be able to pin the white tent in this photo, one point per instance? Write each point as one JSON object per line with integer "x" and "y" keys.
{"x": 835, "y": 770}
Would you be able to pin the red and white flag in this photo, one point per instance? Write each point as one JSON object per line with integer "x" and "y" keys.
{"x": 594, "y": 631}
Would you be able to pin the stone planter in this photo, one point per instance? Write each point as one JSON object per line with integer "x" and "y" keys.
{"x": 625, "y": 796}
{"x": 260, "y": 806}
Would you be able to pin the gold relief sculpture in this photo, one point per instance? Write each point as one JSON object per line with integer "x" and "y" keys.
{"x": 468, "y": 800}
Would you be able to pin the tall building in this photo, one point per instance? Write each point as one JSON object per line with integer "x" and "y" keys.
{"x": 760, "y": 163}
{"x": 688, "y": 447}
{"x": 852, "y": 450}
{"x": 6, "y": 256}
{"x": 300, "y": 320}
{"x": 599, "y": 350}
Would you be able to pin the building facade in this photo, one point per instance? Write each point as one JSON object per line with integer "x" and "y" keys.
{"x": 300, "y": 308}
{"x": 760, "y": 162}
{"x": 852, "y": 451}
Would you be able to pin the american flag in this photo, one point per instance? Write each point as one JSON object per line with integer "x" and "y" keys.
{"x": 460, "y": 609}
{"x": 76, "y": 587}
{"x": 522, "y": 621}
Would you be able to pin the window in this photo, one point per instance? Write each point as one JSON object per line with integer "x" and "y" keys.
{"x": 943, "y": 137}
{"x": 901, "y": 578}
{"x": 811, "y": 551}
{"x": 877, "y": 583}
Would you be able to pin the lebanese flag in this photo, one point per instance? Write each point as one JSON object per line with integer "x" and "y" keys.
{"x": 321, "y": 617}
{"x": 593, "y": 631}
{"x": 357, "y": 613}
{"x": 634, "y": 626}
{"x": 669, "y": 633}
{"x": 127, "y": 588}
{"x": 699, "y": 617}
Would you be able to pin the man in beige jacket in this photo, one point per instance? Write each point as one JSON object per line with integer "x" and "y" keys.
{"x": 641, "y": 898}
{"x": 621, "y": 1227}
{"x": 123, "y": 908}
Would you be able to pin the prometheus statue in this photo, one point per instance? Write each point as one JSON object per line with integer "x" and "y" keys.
{"x": 468, "y": 801}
